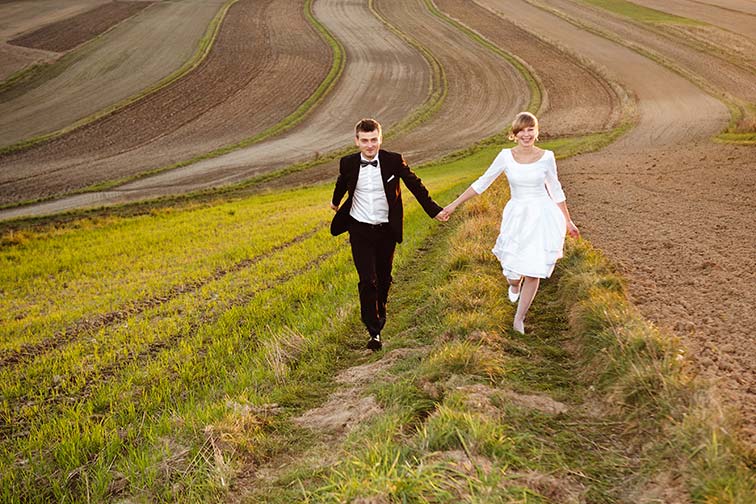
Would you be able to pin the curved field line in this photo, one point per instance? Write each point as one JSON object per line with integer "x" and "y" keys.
{"x": 577, "y": 97}
{"x": 736, "y": 107}
{"x": 99, "y": 377}
{"x": 534, "y": 85}
{"x": 93, "y": 323}
{"x": 206, "y": 43}
{"x": 437, "y": 88}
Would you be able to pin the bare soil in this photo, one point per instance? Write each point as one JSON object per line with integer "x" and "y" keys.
{"x": 98, "y": 75}
{"x": 576, "y": 99}
{"x": 738, "y": 16}
{"x": 722, "y": 72}
{"x": 66, "y": 34}
{"x": 228, "y": 98}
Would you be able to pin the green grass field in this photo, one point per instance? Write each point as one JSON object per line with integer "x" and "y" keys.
{"x": 158, "y": 357}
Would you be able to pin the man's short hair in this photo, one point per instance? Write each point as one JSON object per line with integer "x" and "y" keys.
{"x": 366, "y": 126}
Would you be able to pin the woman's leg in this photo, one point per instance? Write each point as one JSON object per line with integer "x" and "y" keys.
{"x": 514, "y": 283}
{"x": 527, "y": 293}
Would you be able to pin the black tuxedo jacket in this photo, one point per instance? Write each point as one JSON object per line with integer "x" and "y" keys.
{"x": 393, "y": 169}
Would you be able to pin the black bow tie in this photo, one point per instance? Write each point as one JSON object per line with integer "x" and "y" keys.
{"x": 374, "y": 162}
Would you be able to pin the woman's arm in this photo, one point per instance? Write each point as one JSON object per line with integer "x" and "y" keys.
{"x": 572, "y": 229}
{"x": 469, "y": 193}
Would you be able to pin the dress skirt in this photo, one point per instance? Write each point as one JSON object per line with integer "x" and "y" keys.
{"x": 531, "y": 237}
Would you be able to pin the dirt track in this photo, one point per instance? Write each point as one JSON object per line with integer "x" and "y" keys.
{"x": 157, "y": 41}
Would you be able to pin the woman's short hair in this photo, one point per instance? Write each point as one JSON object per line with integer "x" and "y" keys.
{"x": 366, "y": 126}
{"x": 521, "y": 121}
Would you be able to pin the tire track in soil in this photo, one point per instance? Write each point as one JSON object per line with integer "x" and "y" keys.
{"x": 72, "y": 332}
{"x": 577, "y": 99}
{"x": 225, "y": 100}
{"x": 690, "y": 267}
{"x": 88, "y": 382}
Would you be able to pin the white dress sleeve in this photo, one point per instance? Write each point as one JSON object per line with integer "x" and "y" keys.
{"x": 491, "y": 174}
{"x": 552, "y": 182}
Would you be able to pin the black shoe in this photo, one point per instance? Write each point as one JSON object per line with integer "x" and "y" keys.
{"x": 374, "y": 343}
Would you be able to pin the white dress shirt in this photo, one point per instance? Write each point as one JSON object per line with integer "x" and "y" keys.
{"x": 369, "y": 203}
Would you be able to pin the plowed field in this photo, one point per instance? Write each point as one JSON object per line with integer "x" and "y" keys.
{"x": 64, "y": 35}
{"x": 228, "y": 98}
{"x": 97, "y": 75}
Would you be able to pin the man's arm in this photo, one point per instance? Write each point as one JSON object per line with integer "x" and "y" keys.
{"x": 416, "y": 187}
{"x": 340, "y": 189}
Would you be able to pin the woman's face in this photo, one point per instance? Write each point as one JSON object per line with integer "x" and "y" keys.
{"x": 526, "y": 137}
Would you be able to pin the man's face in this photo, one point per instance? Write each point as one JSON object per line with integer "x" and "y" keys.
{"x": 368, "y": 142}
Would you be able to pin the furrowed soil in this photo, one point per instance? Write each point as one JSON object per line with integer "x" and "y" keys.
{"x": 738, "y": 16}
{"x": 68, "y": 33}
{"x": 101, "y": 73}
{"x": 16, "y": 18}
{"x": 226, "y": 99}
{"x": 576, "y": 99}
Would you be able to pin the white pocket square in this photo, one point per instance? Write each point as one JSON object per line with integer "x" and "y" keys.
{"x": 390, "y": 179}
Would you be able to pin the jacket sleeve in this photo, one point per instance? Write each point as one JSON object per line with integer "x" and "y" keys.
{"x": 341, "y": 185}
{"x": 416, "y": 187}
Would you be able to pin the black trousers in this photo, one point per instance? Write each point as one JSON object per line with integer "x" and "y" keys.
{"x": 373, "y": 254}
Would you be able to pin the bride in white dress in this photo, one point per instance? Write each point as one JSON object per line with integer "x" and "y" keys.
{"x": 534, "y": 220}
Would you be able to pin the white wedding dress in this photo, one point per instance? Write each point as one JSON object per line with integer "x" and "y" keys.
{"x": 532, "y": 231}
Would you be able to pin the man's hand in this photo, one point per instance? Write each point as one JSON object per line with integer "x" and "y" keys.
{"x": 442, "y": 216}
{"x": 334, "y": 207}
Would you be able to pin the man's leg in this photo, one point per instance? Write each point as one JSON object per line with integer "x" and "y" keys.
{"x": 384, "y": 261}
{"x": 364, "y": 256}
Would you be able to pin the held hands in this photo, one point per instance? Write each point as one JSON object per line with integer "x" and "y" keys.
{"x": 444, "y": 214}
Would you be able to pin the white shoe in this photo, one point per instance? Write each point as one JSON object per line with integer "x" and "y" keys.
{"x": 519, "y": 326}
{"x": 513, "y": 296}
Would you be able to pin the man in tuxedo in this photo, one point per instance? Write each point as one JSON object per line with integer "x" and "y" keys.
{"x": 374, "y": 216}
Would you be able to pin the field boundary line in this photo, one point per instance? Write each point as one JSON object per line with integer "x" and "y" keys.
{"x": 736, "y": 107}
{"x": 205, "y": 45}
{"x": 67, "y": 335}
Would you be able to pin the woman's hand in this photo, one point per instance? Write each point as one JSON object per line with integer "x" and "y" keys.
{"x": 572, "y": 229}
